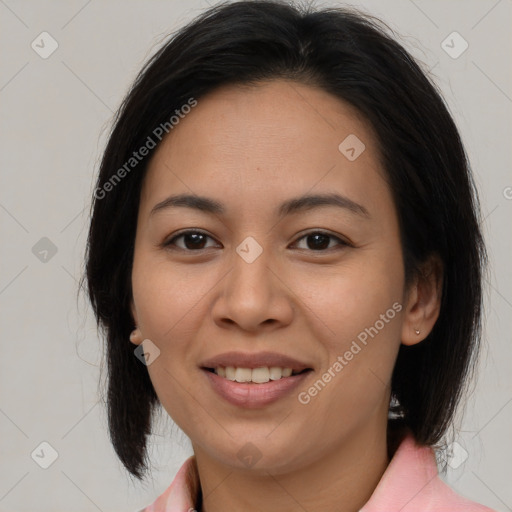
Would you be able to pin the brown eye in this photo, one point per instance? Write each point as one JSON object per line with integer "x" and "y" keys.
{"x": 320, "y": 240}
{"x": 192, "y": 240}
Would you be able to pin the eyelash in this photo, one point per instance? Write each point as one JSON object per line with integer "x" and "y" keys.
{"x": 171, "y": 242}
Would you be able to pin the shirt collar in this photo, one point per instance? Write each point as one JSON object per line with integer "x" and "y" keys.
{"x": 183, "y": 493}
{"x": 409, "y": 482}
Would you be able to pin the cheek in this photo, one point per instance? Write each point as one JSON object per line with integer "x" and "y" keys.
{"x": 358, "y": 311}
{"x": 352, "y": 297}
{"x": 164, "y": 295}
{"x": 167, "y": 303}
{"x": 171, "y": 303}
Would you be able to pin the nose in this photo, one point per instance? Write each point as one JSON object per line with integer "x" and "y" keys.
{"x": 254, "y": 294}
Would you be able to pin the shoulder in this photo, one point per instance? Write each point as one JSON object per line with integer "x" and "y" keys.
{"x": 411, "y": 483}
{"x": 444, "y": 497}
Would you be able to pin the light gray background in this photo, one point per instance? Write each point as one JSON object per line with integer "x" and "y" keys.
{"x": 54, "y": 115}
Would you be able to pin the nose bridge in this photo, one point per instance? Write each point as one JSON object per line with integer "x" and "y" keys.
{"x": 251, "y": 263}
{"x": 252, "y": 293}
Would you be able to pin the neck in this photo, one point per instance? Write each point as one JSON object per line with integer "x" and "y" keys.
{"x": 341, "y": 480}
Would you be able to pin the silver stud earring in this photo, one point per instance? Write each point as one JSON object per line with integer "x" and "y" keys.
{"x": 416, "y": 331}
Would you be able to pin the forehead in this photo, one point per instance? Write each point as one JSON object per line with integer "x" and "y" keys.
{"x": 268, "y": 141}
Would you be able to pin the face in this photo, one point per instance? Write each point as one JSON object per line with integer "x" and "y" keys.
{"x": 321, "y": 284}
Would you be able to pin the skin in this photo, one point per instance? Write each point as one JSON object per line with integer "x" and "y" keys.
{"x": 252, "y": 148}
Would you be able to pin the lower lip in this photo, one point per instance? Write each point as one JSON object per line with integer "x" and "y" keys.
{"x": 252, "y": 395}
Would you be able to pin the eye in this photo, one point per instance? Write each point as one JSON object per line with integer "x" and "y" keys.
{"x": 319, "y": 241}
{"x": 192, "y": 239}
{"x": 195, "y": 240}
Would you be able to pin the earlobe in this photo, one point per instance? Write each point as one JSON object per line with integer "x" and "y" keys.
{"x": 136, "y": 336}
{"x": 424, "y": 302}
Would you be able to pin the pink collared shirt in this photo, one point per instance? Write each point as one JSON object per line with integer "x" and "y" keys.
{"x": 411, "y": 483}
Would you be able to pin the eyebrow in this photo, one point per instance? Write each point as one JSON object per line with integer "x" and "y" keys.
{"x": 288, "y": 207}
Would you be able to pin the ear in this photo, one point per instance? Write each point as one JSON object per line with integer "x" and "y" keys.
{"x": 423, "y": 302}
{"x": 136, "y": 335}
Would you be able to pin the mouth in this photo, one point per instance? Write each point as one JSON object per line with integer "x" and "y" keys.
{"x": 254, "y": 380}
{"x": 260, "y": 375}
{"x": 254, "y": 388}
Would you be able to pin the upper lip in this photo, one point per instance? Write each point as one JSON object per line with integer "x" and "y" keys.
{"x": 256, "y": 360}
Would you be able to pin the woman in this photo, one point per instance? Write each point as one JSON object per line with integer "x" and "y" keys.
{"x": 285, "y": 253}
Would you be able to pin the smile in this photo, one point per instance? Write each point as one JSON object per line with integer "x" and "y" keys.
{"x": 254, "y": 375}
{"x": 256, "y": 388}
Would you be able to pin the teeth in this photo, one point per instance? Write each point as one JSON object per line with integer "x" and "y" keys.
{"x": 260, "y": 375}
{"x": 256, "y": 375}
{"x": 275, "y": 373}
{"x": 287, "y": 372}
{"x": 243, "y": 375}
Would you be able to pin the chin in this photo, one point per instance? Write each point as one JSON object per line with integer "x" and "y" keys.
{"x": 258, "y": 454}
